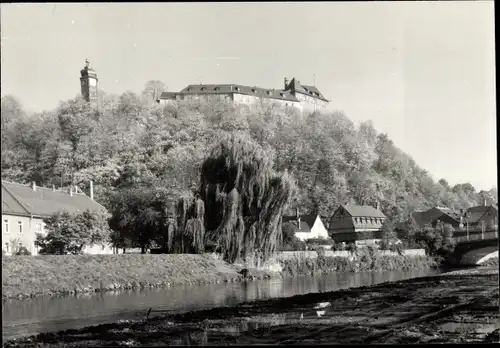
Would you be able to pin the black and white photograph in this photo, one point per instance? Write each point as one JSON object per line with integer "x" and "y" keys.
{"x": 249, "y": 173}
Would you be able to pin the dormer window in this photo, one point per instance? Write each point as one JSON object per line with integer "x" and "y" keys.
{"x": 237, "y": 88}
{"x": 189, "y": 89}
{"x": 269, "y": 93}
{"x": 203, "y": 88}
{"x": 216, "y": 88}
{"x": 253, "y": 90}
{"x": 283, "y": 95}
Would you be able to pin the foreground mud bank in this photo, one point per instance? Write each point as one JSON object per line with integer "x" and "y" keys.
{"x": 448, "y": 308}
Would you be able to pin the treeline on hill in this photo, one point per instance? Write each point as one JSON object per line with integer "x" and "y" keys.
{"x": 132, "y": 146}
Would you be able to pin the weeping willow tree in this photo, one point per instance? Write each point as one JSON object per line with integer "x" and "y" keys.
{"x": 188, "y": 232}
{"x": 241, "y": 199}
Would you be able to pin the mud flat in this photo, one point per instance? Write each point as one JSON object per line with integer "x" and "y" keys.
{"x": 450, "y": 308}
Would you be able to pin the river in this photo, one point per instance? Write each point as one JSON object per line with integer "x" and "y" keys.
{"x": 46, "y": 314}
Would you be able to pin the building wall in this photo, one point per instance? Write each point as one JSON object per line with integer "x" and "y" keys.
{"x": 100, "y": 250}
{"x": 318, "y": 230}
{"x": 311, "y": 104}
{"x": 12, "y": 237}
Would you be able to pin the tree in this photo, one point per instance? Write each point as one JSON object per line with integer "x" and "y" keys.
{"x": 153, "y": 90}
{"x": 138, "y": 216}
{"x": 388, "y": 236}
{"x": 70, "y": 233}
{"x": 244, "y": 198}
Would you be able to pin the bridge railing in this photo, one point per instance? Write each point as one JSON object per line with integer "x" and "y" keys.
{"x": 477, "y": 236}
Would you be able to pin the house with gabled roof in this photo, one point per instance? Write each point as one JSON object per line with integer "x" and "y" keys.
{"x": 24, "y": 208}
{"x": 437, "y": 214}
{"x": 356, "y": 223}
{"x": 308, "y": 226}
{"x": 481, "y": 216}
{"x": 294, "y": 94}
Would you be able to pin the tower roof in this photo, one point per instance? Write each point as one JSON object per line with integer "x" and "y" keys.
{"x": 87, "y": 71}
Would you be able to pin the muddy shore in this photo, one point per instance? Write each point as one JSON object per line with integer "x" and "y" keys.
{"x": 457, "y": 307}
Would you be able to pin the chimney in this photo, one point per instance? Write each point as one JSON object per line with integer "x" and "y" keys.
{"x": 33, "y": 185}
{"x": 91, "y": 190}
{"x": 286, "y": 83}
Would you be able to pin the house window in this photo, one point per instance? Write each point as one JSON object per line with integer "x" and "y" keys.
{"x": 6, "y": 247}
{"x": 6, "y": 226}
{"x": 356, "y": 220}
{"x": 38, "y": 228}
{"x": 20, "y": 227}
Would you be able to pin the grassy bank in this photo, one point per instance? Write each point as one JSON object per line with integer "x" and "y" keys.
{"x": 27, "y": 276}
{"x": 364, "y": 260}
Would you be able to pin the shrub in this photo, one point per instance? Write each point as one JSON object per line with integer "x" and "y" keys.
{"x": 320, "y": 241}
{"x": 22, "y": 251}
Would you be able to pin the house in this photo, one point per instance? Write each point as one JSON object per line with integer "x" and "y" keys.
{"x": 432, "y": 216}
{"x": 308, "y": 226}
{"x": 25, "y": 206}
{"x": 356, "y": 223}
{"x": 302, "y": 97}
{"x": 481, "y": 216}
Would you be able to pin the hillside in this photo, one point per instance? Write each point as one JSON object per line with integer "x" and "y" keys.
{"x": 133, "y": 142}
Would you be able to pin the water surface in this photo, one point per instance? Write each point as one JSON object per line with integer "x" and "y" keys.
{"x": 45, "y": 314}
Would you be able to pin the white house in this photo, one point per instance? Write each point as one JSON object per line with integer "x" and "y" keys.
{"x": 24, "y": 208}
{"x": 308, "y": 226}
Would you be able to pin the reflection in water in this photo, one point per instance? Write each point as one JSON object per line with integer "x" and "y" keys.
{"x": 31, "y": 316}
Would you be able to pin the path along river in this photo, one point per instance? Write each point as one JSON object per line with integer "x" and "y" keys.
{"x": 45, "y": 314}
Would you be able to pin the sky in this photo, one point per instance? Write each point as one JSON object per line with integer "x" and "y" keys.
{"x": 423, "y": 72}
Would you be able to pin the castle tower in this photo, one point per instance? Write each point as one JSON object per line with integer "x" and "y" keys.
{"x": 88, "y": 83}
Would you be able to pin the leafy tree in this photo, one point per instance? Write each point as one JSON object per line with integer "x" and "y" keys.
{"x": 153, "y": 90}
{"x": 138, "y": 216}
{"x": 244, "y": 198}
{"x": 388, "y": 235}
{"x": 70, "y": 233}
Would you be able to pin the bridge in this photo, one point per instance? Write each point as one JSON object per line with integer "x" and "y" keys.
{"x": 474, "y": 247}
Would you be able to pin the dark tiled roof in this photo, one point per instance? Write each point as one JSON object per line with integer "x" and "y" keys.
{"x": 363, "y": 211}
{"x": 21, "y": 199}
{"x": 306, "y": 222}
{"x": 482, "y": 208}
{"x": 168, "y": 95}
{"x": 311, "y": 91}
{"x": 420, "y": 218}
{"x": 473, "y": 217}
{"x": 239, "y": 89}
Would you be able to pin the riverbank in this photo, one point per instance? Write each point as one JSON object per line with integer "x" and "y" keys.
{"x": 447, "y": 308}
{"x": 30, "y": 276}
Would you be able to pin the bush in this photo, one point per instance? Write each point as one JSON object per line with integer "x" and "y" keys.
{"x": 22, "y": 251}
{"x": 320, "y": 241}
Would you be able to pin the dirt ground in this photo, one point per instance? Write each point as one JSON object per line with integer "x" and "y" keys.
{"x": 459, "y": 307}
